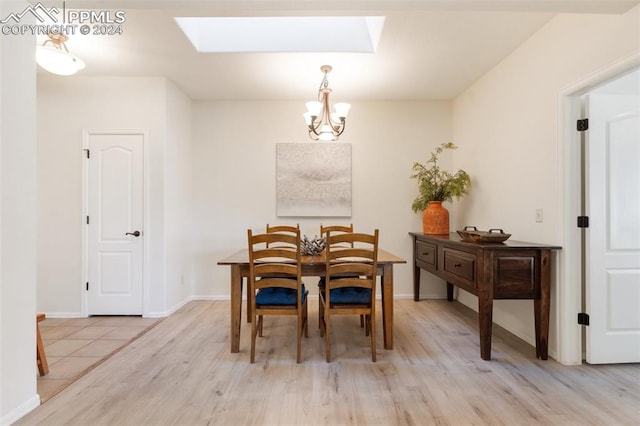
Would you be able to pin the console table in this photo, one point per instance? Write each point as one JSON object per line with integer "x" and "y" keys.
{"x": 508, "y": 270}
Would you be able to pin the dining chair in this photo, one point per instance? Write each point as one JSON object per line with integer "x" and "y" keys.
{"x": 275, "y": 283}
{"x": 289, "y": 229}
{"x": 324, "y": 230}
{"x": 335, "y": 229}
{"x": 41, "y": 356}
{"x": 350, "y": 282}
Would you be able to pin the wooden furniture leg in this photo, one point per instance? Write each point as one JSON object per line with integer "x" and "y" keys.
{"x": 236, "y": 307}
{"x": 387, "y": 305}
{"x": 41, "y": 357}
{"x": 485, "y": 312}
{"x": 542, "y": 306}
{"x": 248, "y": 297}
{"x": 416, "y": 277}
{"x": 485, "y": 317}
{"x": 449, "y": 292}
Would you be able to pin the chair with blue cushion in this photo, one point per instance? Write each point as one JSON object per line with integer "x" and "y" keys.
{"x": 324, "y": 230}
{"x": 288, "y": 229}
{"x": 275, "y": 283}
{"x": 350, "y": 282}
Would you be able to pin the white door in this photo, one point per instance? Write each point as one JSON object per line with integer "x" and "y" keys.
{"x": 115, "y": 219}
{"x": 613, "y": 236}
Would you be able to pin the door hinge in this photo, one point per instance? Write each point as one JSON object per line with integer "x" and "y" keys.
{"x": 88, "y": 154}
{"x": 87, "y": 285}
{"x": 87, "y": 220}
{"x": 583, "y": 124}
{"x": 583, "y": 319}
{"x": 583, "y": 221}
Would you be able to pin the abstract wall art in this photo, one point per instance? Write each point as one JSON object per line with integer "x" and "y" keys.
{"x": 313, "y": 179}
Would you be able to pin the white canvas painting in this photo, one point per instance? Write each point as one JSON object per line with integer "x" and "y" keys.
{"x": 313, "y": 179}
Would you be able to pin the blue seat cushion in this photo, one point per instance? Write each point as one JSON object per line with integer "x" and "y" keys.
{"x": 279, "y": 296}
{"x": 351, "y": 295}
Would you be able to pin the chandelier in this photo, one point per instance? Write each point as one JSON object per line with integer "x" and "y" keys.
{"x": 323, "y": 124}
{"x": 56, "y": 58}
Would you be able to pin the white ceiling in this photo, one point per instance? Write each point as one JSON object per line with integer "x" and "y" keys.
{"x": 428, "y": 49}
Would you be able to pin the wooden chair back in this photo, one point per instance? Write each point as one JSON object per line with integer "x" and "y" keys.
{"x": 350, "y": 275}
{"x": 288, "y": 229}
{"x": 283, "y": 228}
{"x": 275, "y": 275}
{"x": 335, "y": 229}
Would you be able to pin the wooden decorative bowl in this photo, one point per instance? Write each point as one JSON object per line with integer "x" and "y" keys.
{"x": 493, "y": 235}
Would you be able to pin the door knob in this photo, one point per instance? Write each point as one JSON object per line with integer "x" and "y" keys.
{"x": 134, "y": 233}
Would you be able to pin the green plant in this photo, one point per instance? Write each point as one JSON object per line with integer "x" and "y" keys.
{"x": 435, "y": 184}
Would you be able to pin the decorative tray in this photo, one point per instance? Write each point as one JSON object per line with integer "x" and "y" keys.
{"x": 493, "y": 235}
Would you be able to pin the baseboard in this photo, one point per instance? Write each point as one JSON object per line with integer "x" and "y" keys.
{"x": 20, "y": 411}
{"x": 164, "y": 314}
{"x": 471, "y": 302}
{"x": 428, "y": 296}
{"x": 178, "y": 306}
{"x": 64, "y": 314}
{"x": 315, "y": 297}
{"x": 210, "y": 297}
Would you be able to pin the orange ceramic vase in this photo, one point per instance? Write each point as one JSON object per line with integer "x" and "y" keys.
{"x": 435, "y": 219}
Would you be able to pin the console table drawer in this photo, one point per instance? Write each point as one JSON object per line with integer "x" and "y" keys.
{"x": 460, "y": 264}
{"x": 515, "y": 275}
{"x": 426, "y": 252}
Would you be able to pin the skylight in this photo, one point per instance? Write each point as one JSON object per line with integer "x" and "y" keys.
{"x": 283, "y": 34}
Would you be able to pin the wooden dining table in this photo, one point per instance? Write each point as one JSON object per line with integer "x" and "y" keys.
{"x": 311, "y": 266}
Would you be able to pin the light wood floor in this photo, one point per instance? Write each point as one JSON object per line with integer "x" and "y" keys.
{"x": 74, "y": 346}
{"x": 182, "y": 373}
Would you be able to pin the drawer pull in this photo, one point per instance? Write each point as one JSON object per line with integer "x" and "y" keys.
{"x": 426, "y": 253}
{"x": 457, "y": 265}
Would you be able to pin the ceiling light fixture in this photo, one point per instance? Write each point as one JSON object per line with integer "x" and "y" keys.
{"x": 56, "y": 58}
{"x": 323, "y": 124}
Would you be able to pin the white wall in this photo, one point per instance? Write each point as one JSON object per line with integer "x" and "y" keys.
{"x": 67, "y": 106}
{"x": 235, "y": 181}
{"x": 17, "y": 223}
{"x": 178, "y": 198}
{"x": 510, "y": 138}
{"x": 232, "y": 167}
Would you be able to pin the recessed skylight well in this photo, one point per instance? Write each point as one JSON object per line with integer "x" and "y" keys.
{"x": 357, "y": 34}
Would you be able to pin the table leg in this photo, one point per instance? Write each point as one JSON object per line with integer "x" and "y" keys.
{"x": 387, "y": 305}
{"x": 485, "y": 318}
{"x": 416, "y": 275}
{"x": 248, "y": 299}
{"x": 541, "y": 308}
{"x": 236, "y": 307}
{"x": 416, "y": 283}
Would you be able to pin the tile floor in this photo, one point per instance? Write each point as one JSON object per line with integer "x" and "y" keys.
{"x": 74, "y": 345}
